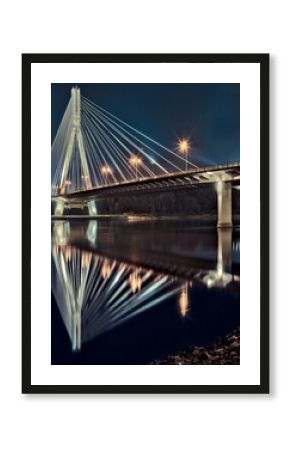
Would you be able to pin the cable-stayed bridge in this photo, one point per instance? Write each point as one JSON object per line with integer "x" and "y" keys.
{"x": 96, "y": 154}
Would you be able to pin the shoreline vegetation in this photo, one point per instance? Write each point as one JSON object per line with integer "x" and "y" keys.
{"x": 226, "y": 351}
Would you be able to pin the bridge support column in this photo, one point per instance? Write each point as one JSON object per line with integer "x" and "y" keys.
{"x": 224, "y": 256}
{"x": 92, "y": 208}
{"x": 224, "y": 204}
{"x": 59, "y": 207}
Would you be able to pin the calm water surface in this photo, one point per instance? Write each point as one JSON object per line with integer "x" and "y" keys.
{"x": 131, "y": 290}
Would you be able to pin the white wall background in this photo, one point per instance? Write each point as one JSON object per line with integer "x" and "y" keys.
{"x": 220, "y": 422}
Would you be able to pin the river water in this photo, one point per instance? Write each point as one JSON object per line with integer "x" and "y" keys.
{"x": 131, "y": 290}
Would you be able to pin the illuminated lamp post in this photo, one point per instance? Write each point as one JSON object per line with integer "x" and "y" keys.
{"x": 135, "y": 161}
{"x": 106, "y": 170}
{"x": 183, "y": 147}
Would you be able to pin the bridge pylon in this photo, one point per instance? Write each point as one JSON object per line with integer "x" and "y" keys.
{"x": 75, "y": 136}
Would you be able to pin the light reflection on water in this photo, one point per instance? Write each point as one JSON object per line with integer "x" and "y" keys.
{"x": 107, "y": 273}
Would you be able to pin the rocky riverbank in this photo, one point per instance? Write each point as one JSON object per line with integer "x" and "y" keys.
{"x": 226, "y": 351}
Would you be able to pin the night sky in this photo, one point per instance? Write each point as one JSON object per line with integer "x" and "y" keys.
{"x": 207, "y": 114}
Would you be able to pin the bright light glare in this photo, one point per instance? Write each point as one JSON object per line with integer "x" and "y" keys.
{"x": 106, "y": 169}
{"x": 135, "y": 160}
{"x": 183, "y": 145}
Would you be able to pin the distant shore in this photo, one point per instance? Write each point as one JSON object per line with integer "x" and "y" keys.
{"x": 226, "y": 351}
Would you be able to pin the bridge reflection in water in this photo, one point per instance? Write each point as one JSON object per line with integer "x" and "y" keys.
{"x": 107, "y": 272}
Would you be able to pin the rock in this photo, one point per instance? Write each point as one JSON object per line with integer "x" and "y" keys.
{"x": 225, "y": 351}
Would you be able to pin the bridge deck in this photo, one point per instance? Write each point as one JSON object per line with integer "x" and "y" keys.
{"x": 209, "y": 174}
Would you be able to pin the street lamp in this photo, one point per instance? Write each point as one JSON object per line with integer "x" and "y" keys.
{"x": 67, "y": 183}
{"x": 106, "y": 170}
{"x": 135, "y": 161}
{"x": 183, "y": 147}
{"x": 86, "y": 180}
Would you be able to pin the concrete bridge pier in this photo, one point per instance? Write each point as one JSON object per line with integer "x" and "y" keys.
{"x": 59, "y": 207}
{"x": 92, "y": 208}
{"x": 60, "y": 204}
{"x": 224, "y": 204}
{"x": 224, "y": 253}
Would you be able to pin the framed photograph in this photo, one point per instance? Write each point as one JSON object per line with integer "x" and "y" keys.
{"x": 145, "y": 223}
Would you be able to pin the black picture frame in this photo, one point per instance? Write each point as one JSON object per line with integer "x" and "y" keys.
{"x": 27, "y": 61}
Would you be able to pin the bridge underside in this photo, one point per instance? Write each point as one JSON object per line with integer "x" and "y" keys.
{"x": 212, "y": 195}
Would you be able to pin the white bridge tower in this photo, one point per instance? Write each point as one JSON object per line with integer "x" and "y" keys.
{"x": 75, "y": 136}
